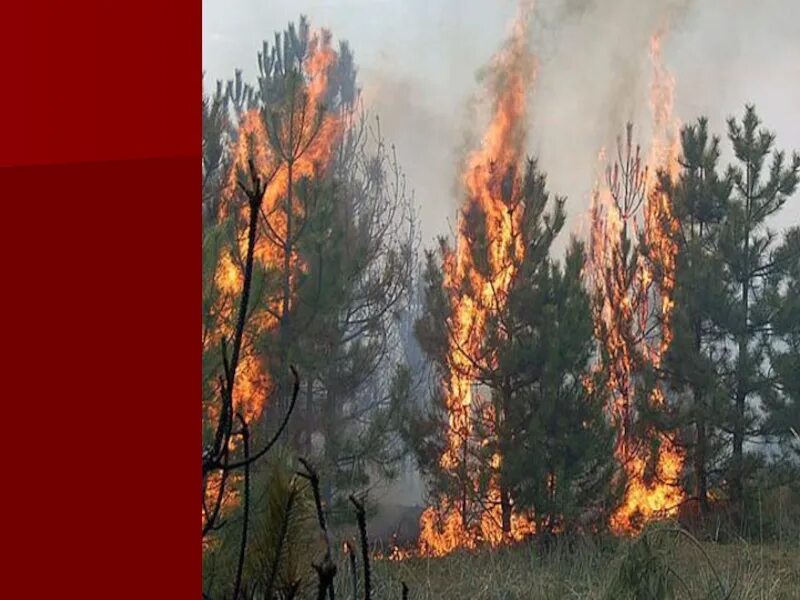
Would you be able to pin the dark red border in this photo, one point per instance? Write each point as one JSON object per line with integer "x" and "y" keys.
{"x": 95, "y": 80}
{"x": 99, "y": 179}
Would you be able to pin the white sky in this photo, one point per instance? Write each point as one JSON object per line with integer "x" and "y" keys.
{"x": 418, "y": 61}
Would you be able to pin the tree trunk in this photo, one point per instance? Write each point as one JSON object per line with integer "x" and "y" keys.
{"x": 737, "y": 490}
{"x": 284, "y": 336}
{"x": 287, "y": 254}
{"x": 701, "y": 441}
{"x": 741, "y": 360}
{"x": 502, "y": 437}
{"x": 330, "y": 429}
{"x": 303, "y": 437}
{"x": 700, "y": 455}
{"x": 465, "y": 483}
{"x": 737, "y": 462}
{"x": 505, "y": 509}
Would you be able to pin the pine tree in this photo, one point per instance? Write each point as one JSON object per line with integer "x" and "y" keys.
{"x": 560, "y": 447}
{"x": 216, "y": 129}
{"x": 296, "y": 125}
{"x": 622, "y": 318}
{"x": 534, "y": 437}
{"x": 334, "y": 247}
{"x": 358, "y": 248}
{"x": 783, "y": 403}
{"x": 692, "y": 365}
{"x": 747, "y": 252}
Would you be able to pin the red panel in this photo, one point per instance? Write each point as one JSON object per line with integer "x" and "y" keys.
{"x": 98, "y": 80}
{"x": 100, "y": 298}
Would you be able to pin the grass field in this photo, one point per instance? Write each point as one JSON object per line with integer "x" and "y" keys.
{"x": 665, "y": 564}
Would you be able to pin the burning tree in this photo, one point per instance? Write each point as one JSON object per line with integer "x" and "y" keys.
{"x": 699, "y": 198}
{"x": 630, "y": 328}
{"x": 632, "y": 266}
{"x": 308, "y": 245}
{"x": 349, "y": 229}
{"x": 486, "y": 301}
{"x": 472, "y": 505}
{"x": 281, "y": 134}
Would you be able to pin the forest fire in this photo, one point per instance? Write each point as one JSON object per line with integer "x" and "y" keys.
{"x": 412, "y": 388}
{"x": 301, "y": 146}
{"x": 633, "y": 316}
{"x": 307, "y": 136}
{"x": 476, "y": 516}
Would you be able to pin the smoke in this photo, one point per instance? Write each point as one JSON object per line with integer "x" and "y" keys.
{"x": 419, "y": 64}
{"x": 404, "y": 112}
{"x": 594, "y": 77}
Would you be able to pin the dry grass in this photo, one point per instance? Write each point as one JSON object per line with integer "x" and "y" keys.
{"x": 745, "y": 571}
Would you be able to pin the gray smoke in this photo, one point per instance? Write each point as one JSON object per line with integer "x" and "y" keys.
{"x": 418, "y": 61}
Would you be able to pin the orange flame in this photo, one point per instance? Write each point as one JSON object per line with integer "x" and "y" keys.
{"x": 623, "y": 320}
{"x": 253, "y": 385}
{"x": 474, "y": 295}
{"x": 660, "y": 223}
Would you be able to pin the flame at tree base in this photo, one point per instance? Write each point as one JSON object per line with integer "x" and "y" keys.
{"x": 480, "y": 515}
{"x": 651, "y": 493}
{"x": 653, "y": 488}
{"x": 443, "y": 530}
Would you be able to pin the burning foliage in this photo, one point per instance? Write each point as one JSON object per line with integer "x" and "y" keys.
{"x": 528, "y": 424}
{"x": 333, "y": 245}
{"x": 632, "y": 266}
{"x": 282, "y": 143}
{"x": 475, "y": 291}
{"x": 271, "y": 148}
{"x": 518, "y": 441}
